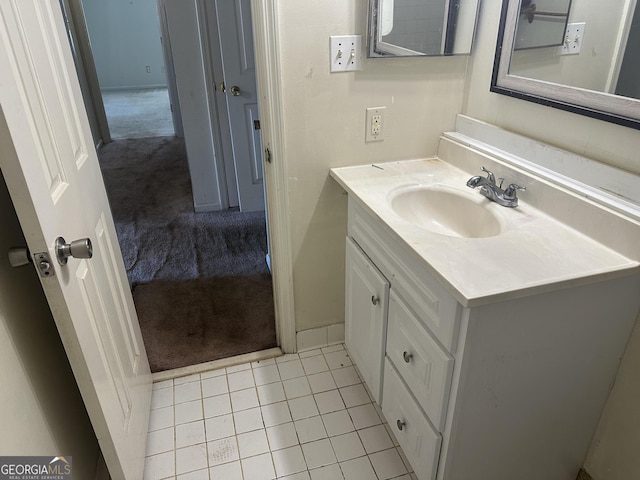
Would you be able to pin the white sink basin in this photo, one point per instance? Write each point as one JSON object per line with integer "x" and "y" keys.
{"x": 445, "y": 210}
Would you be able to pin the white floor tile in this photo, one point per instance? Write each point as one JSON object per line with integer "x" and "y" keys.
{"x": 289, "y": 461}
{"x": 339, "y": 359}
{"x": 248, "y": 420}
{"x": 222, "y": 451}
{"x": 296, "y": 387}
{"x": 291, "y": 369}
{"x": 330, "y": 401}
{"x": 268, "y": 374}
{"x": 190, "y": 434}
{"x": 187, "y": 392}
{"x": 358, "y": 469}
{"x": 355, "y": 395}
{"x": 332, "y": 348}
{"x": 238, "y": 368}
{"x": 159, "y": 466}
{"x": 244, "y": 399}
{"x": 282, "y": 436}
{"x": 303, "y": 407}
{"x": 263, "y": 363}
{"x": 219, "y": 427}
{"x": 310, "y": 353}
{"x": 364, "y": 416}
{"x": 220, "y": 372}
{"x": 271, "y": 393}
{"x": 161, "y": 398}
{"x": 188, "y": 412}
{"x": 297, "y": 476}
{"x": 259, "y": 467}
{"x": 321, "y": 382}
{"x": 330, "y": 472}
{"x": 310, "y": 429}
{"x": 276, "y": 414}
{"x": 214, "y": 386}
{"x": 252, "y": 443}
{"x": 240, "y": 380}
{"x": 345, "y": 376}
{"x": 161, "y": 418}
{"x": 387, "y": 464}
{"x": 337, "y": 423}
{"x": 227, "y": 471}
{"x": 197, "y": 475}
{"x": 318, "y": 454}
{"x": 186, "y": 379}
{"x": 314, "y": 364}
{"x": 160, "y": 441}
{"x": 191, "y": 458}
{"x": 375, "y": 439}
{"x": 347, "y": 446}
{"x": 218, "y": 405}
{"x": 287, "y": 358}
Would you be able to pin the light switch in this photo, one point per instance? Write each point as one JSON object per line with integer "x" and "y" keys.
{"x": 345, "y": 53}
{"x": 572, "y": 39}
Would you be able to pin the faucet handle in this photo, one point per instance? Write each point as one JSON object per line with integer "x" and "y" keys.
{"x": 510, "y": 192}
{"x": 490, "y": 176}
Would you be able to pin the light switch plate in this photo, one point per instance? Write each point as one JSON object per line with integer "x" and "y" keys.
{"x": 572, "y": 39}
{"x": 345, "y": 53}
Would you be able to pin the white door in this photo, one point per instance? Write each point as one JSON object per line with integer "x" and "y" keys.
{"x": 367, "y": 300}
{"x": 52, "y": 172}
{"x": 236, "y": 48}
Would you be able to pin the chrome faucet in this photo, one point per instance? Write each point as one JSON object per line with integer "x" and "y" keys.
{"x": 493, "y": 191}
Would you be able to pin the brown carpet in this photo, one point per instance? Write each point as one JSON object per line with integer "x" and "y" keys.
{"x": 200, "y": 281}
{"x": 194, "y": 321}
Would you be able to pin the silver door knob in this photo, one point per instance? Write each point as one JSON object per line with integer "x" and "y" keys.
{"x": 235, "y": 91}
{"x": 19, "y": 256}
{"x": 400, "y": 424}
{"x": 77, "y": 249}
{"x": 407, "y": 357}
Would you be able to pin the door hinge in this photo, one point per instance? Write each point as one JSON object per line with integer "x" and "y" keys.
{"x": 267, "y": 155}
{"x": 256, "y": 124}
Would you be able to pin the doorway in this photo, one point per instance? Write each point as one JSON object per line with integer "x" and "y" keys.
{"x": 148, "y": 178}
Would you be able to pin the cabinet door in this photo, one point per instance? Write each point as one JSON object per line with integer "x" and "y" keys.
{"x": 367, "y": 296}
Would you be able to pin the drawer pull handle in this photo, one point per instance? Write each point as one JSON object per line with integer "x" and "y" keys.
{"x": 400, "y": 424}
{"x": 375, "y": 300}
{"x": 407, "y": 356}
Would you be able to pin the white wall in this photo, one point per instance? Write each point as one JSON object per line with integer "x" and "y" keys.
{"x": 41, "y": 411}
{"x": 125, "y": 38}
{"x": 325, "y": 125}
{"x": 613, "y": 454}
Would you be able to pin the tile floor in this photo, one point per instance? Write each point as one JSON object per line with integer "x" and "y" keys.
{"x": 304, "y": 416}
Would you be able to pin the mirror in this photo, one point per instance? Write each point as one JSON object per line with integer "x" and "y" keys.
{"x": 600, "y": 77}
{"x": 410, "y": 28}
{"x": 541, "y": 24}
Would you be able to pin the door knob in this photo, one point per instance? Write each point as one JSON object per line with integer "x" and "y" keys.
{"x": 77, "y": 249}
{"x": 235, "y": 91}
{"x": 19, "y": 256}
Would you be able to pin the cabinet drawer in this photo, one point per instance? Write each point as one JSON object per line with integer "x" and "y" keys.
{"x": 419, "y": 441}
{"x": 422, "y": 363}
{"x": 437, "y": 308}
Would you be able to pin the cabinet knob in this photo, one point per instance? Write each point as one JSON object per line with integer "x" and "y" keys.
{"x": 407, "y": 356}
{"x": 375, "y": 299}
{"x": 400, "y": 424}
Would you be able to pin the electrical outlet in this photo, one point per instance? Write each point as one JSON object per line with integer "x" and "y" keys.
{"x": 572, "y": 39}
{"x": 148, "y": 69}
{"x": 374, "y": 126}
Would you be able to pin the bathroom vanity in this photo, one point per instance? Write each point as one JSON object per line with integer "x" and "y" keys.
{"x": 490, "y": 336}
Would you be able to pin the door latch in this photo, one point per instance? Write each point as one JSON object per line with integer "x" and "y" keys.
{"x": 43, "y": 263}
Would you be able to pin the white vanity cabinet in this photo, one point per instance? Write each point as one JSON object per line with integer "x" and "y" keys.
{"x": 492, "y": 390}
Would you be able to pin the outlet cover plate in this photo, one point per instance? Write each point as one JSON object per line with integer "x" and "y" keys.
{"x": 345, "y": 53}
{"x": 374, "y": 127}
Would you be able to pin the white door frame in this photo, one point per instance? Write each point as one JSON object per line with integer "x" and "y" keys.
{"x": 270, "y": 98}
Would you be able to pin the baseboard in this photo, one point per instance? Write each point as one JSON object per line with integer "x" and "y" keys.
{"x": 320, "y": 337}
{"x": 583, "y": 475}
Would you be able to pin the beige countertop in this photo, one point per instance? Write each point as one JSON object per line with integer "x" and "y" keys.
{"x": 534, "y": 253}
